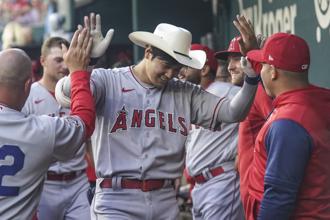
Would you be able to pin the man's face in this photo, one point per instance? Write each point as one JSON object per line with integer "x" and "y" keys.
{"x": 235, "y": 70}
{"x": 53, "y": 64}
{"x": 159, "y": 72}
{"x": 191, "y": 75}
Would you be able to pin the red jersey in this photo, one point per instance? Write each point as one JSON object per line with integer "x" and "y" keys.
{"x": 248, "y": 131}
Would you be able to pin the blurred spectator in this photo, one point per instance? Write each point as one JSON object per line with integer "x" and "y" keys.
{"x": 18, "y": 18}
{"x": 55, "y": 25}
{"x": 115, "y": 57}
{"x": 25, "y": 14}
{"x": 123, "y": 59}
{"x": 15, "y": 34}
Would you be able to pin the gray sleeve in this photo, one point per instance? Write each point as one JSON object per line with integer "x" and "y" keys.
{"x": 203, "y": 107}
{"x": 69, "y": 136}
{"x": 237, "y": 108}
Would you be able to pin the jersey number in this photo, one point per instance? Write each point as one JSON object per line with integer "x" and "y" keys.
{"x": 10, "y": 170}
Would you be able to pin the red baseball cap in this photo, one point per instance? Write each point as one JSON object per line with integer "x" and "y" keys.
{"x": 232, "y": 49}
{"x": 210, "y": 59}
{"x": 284, "y": 51}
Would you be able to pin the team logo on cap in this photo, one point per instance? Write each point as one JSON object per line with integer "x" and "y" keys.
{"x": 304, "y": 67}
{"x": 231, "y": 45}
{"x": 270, "y": 57}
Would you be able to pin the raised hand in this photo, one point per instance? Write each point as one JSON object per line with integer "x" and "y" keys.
{"x": 100, "y": 43}
{"x": 261, "y": 39}
{"x": 248, "y": 40}
{"x": 77, "y": 57}
{"x": 247, "y": 67}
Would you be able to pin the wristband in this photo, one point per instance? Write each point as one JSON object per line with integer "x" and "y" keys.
{"x": 252, "y": 80}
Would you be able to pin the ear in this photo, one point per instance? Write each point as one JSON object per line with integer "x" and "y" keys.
{"x": 27, "y": 85}
{"x": 274, "y": 73}
{"x": 205, "y": 70}
{"x": 148, "y": 52}
{"x": 42, "y": 60}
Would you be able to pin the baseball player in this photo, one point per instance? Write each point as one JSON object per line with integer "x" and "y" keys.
{"x": 210, "y": 157}
{"x": 250, "y": 127}
{"x": 233, "y": 56}
{"x": 68, "y": 177}
{"x": 143, "y": 116}
{"x": 30, "y": 143}
{"x": 289, "y": 176}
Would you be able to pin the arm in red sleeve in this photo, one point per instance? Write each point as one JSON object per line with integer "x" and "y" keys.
{"x": 82, "y": 103}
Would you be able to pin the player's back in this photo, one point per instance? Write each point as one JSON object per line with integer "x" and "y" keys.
{"x": 28, "y": 144}
{"x": 42, "y": 102}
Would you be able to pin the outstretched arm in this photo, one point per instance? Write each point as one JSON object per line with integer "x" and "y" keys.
{"x": 77, "y": 58}
{"x": 237, "y": 108}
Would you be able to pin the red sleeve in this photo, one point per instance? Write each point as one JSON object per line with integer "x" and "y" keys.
{"x": 82, "y": 102}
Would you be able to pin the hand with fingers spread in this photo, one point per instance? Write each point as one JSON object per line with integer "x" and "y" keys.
{"x": 248, "y": 40}
{"x": 77, "y": 57}
{"x": 100, "y": 43}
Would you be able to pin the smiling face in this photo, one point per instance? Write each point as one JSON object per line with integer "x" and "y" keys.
{"x": 159, "y": 68}
{"x": 235, "y": 69}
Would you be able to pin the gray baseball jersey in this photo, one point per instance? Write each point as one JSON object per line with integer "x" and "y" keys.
{"x": 42, "y": 102}
{"x": 28, "y": 144}
{"x": 140, "y": 133}
{"x": 53, "y": 205}
{"x": 209, "y": 149}
{"x": 219, "y": 197}
{"x": 146, "y": 126}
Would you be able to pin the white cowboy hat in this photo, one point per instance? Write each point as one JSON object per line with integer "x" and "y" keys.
{"x": 174, "y": 41}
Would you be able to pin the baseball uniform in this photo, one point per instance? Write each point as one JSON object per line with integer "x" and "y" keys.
{"x": 139, "y": 139}
{"x": 29, "y": 144}
{"x": 61, "y": 197}
{"x": 215, "y": 196}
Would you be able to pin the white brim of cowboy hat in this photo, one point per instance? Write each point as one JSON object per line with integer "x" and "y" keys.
{"x": 196, "y": 58}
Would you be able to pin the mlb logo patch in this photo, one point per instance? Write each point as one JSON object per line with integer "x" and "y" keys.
{"x": 304, "y": 67}
{"x": 270, "y": 57}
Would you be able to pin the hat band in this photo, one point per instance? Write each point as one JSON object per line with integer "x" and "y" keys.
{"x": 182, "y": 54}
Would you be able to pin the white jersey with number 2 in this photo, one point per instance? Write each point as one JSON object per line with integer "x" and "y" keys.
{"x": 28, "y": 145}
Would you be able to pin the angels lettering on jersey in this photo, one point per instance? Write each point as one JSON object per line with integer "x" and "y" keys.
{"x": 149, "y": 118}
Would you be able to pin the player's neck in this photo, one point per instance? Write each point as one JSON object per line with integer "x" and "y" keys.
{"x": 139, "y": 72}
{"x": 48, "y": 83}
{"x": 10, "y": 98}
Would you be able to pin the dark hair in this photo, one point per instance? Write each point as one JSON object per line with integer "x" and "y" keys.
{"x": 53, "y": 42}
{"x": 164, "y": 56}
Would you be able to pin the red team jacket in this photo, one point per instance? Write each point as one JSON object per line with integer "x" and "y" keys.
{"x": 248, "y": 131}
{"x": 310, "y": 109}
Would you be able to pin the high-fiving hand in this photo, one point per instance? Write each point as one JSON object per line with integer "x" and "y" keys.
{"x": 248, "y": 40}
{"x": 77, "y": 57}
{"x": 100, "y": 43}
